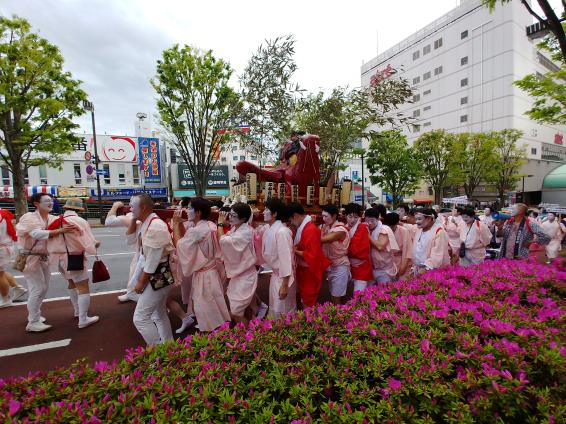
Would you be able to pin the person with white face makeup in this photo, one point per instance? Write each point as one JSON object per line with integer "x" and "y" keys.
{"x": 553, "y": 229}
{"x": 519, "y": 233}
{"x": 154, "y": 243}
{"x": 474, "y": 238}
{"x": 359, "y": 250}
{"x": 487, "y": 217}
{"x": 32, "y": 235}
{"x": 383, "y": 246}
{"x": 335, "y": 241}
{"x": 198, "y": 251}
{"x": 7, "y": 280}
{"x": 278, "y": 253}
{"x": 239, "y": 258}
{"x": 430, "y": 246}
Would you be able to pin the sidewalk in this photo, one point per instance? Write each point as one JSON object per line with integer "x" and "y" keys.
{"x": 95, "y": 223}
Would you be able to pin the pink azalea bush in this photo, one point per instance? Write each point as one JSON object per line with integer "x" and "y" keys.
{"x": 483, "y": 344}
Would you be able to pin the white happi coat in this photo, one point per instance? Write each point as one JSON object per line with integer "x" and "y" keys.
{"x": 197, "y": 256}
{"x": 383, "y": 260}
{"x": 239, "y": 261}
{"x": 405, "y": 243}
{"x": 278, "y": 253}
{"x": 554, "y": 231}
{"x": 476, "y": 237}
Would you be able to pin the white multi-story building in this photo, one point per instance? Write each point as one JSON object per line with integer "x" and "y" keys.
{"x": 462, "y": 67}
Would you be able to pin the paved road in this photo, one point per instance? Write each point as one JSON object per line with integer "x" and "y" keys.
{"x": 115, "y": 255}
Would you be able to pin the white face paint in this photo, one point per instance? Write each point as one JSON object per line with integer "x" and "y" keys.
{"x": 467, "y": 219}
{"x": 267, "y": 215}
{"x": 551, "y": 217}
{"x": 45, "y": 204}
{"x": 400, "y": 212}
{"x": 351, "y": 219}
{"x": 372, "y": 223}
{"x": 420, "y": 220}
{"x": 136, "y": 207}
{"x": 327, "y": 218}
{"x": 190, "y": 214}
{"x": 487, "y": 211}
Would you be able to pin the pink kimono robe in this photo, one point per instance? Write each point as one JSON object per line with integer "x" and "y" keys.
{"x": 278, "y": 253}
{"x": 383, "y": 261}
{"x": 6, "y": 239}
{"x": 29, "y": 222}
{"x": 476, "y": 237}
{"x": 405, "y": 252}
{"x": 239, "y": 261}
{"x": 198, "y": 258}
{"x": 76, "y": 242}
{"x": 453, "y": 226}
{"x": 435, "y": 251}
{"x": 553, "y": 230}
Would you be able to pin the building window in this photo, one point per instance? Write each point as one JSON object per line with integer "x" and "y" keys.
{"x": 26, "y": 176}
{"x": 438, "y": 44}
{"x": 416, "y": 113}
{"x": 426, "y": 108}
{"x": 464, "y": 100}
{"x": 438, "y": 71}
{"x": 43, "y": 174}
{"x": 553, "y": 152}
{"x": 533, "y": 150}
{"x": 426, "y": 92}
{"x": 173, "y": 154}
{"x": 136, "y": 174}
{"x": 5, "y": 176}
{"x": 106, "y": 169}
{"x": 234, "y": 148}
{"x": 416, "y": 127}
{"x": 416, "y": 98}
{"x": 426, "y": 75}
{"x": 242, "y": 158}
{"x": 416, "y": 54}
{"x": 464, "y": 34}
{"x": 253, "y": 157}
{"x": 464, "y": 61}
{"x": 416, "y": 80}
{"x": 121, "y": 173}
{"x": 464, "y": 118}
{"x": 223, "y": 159}
{"x": 463, "y": 82}
{"x": 426, "y": 49}
{"x": 77, "y": 172}
{"x": 234, "y": 157}
{"x": 426, "y": 124}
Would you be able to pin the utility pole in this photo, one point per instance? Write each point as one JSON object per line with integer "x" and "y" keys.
{"x": 90, "y": 107}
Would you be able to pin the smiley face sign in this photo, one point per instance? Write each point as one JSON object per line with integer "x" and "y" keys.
{"x": 116, "y": 148}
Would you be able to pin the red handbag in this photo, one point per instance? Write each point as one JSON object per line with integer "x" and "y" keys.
{"x": 99, "y": 271}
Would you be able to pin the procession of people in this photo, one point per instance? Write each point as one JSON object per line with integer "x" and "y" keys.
{"x": 214, "y": 267}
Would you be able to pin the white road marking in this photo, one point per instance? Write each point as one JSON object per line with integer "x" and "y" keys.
{"x": 53, "y": 273}
{"x": 112, "y": 254}
{"x": 34, "y": 348}
{"x": 54, "y": 299}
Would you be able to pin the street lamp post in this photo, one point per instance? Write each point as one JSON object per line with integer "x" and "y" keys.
{"x": 90, "y": 107}
{"x": 362, "y": 154}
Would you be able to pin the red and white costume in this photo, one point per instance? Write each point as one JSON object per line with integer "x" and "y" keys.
{"x": 359, "y": 254}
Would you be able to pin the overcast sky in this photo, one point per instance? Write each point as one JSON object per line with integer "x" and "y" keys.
{"x": 113, "y": 45}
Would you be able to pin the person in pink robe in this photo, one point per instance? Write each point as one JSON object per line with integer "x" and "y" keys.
{"x": 278, "y": 254}
{"x": 430, "y": 245}
{"x": 403, "y": 256}
{"x": 197, "y": 252}
{"x": 475, "y": 236}
{"x": 453, "y": 225}
{"x": 239, "y": 258}
{"x": 383, "y": 247}
{"x": 32, "y": 235}
{"x": 7, "y": 281}
{"x": 77, "y": 242}
{"x": 553, "y": 229}
{"x": 335, "y": 242}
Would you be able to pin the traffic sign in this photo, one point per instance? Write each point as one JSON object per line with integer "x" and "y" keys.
{"x": 102, "y": 172}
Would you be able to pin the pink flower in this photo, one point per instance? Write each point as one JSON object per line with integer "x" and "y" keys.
{"x": 394, "y": 384}
{"x": 425, "y": 345}
{"x": 13, "y": 407}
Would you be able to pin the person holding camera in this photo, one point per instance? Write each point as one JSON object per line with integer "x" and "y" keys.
{"x": 475, "y": 236}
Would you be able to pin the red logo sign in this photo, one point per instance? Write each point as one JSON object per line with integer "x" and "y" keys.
{"x": 558, "y": 138}
{"x": 380, "y": 75}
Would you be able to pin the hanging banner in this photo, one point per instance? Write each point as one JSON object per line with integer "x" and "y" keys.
{"x": 150, "y": 160}
{"x": 217, "y": 178}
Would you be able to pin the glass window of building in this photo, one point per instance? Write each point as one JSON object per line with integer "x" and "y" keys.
{"x": 438, "y": 71}
{"x": 426, "y": 49}
{"x": 26, "y": 176}
{"x": 533, "y": 150}
{"x": 464, "y": 61}
{"x": 136, "y": 174}
{"x": 416, "y": 98}
{"x": 121, "y": 173}
{"x": 416, "y": 54}
{"x": 464, "y": 118}
{"x": 426, "y": 124}
{"x": 416, "y": 113}
{"x": 5, "y": 176}
{"x": 463, "y": 82}
{"x": 416, "y": 127}
{"x": 426, "y": 92}
{"x": 43, "y": 174}
{"x": 464, "y": 100}
{"x": 106, "y": 169}
{"x": 427, "y": 108}
{"x": 438, "y": 43}
{"x": 77, "y": 173}
{"x": 426, "y": 75}
{"x": 464, "y": 34}
{"x": 416, "y": 80}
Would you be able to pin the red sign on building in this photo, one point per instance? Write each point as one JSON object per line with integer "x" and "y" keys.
{"x": 558, "y": 139}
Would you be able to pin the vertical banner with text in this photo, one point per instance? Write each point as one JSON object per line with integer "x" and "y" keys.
{"x": 150, "y": 160}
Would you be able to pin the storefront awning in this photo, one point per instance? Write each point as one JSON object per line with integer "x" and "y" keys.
{"x": 7, "y": 192}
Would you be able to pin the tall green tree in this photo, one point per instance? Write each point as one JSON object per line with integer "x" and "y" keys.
{"x": 435, "y": 152}
{"x": 38, "y": 101}
{"x": 269, "y": 94}
{"x": 393, "y": 164}
{"x": 474, "y": 159}
{"x": 337, "y": 120}
{"x": 509, "y": 157}
{"x": 195, "y": 102}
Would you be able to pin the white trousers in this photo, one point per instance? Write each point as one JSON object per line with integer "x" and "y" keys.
{"x": 381, "y": 276}
{"x": 360, "y": 285}
{"x": 37, "y": 275}
{"x": 150, "y": 316}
